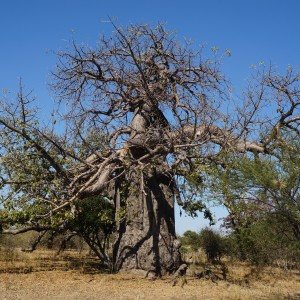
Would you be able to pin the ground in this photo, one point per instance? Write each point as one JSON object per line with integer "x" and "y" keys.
{"x": 44, "y": 275}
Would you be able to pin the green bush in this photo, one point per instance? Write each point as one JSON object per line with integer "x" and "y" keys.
{"x": 262, "y": 243}
{"x": 212, "y": 243}
{"x": 190, "y": 241}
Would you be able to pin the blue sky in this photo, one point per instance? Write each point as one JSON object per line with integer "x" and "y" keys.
{"x": 254, "y": 30}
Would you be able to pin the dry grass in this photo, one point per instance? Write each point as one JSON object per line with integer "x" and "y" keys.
{"x": 72, "y": 275}
{"x": 16, "y": 261}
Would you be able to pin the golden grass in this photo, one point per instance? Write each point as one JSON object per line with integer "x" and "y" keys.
{"x": 72, "y": 275}
{"x": 15, "y": 261}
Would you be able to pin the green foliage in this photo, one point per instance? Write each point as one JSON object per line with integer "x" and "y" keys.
{"x": 37, "y": 164}
{"x": 190, "y": 241}
{"x": 211, "y": 242}
{"x": 36, "y": 168}
{"x": 261, "y": 243}
{"x": 262, "y": 195}
{"x": 95, "y": 215}
{"x": 267, "y": 188}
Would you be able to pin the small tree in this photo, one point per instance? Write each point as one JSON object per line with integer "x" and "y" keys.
{"x": 212, "y": 244}
{"x": 262, "y": 196}
{"x": 190, "y": 241}
{"x": 94, "y": 222}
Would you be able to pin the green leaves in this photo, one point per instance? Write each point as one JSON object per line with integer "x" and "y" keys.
{"x": 264, "y": 190}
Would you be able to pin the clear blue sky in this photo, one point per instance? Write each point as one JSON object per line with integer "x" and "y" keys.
{"x": 254, "y": 30}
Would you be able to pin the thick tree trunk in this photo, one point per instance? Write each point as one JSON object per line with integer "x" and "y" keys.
{"x": 146, "y": 238}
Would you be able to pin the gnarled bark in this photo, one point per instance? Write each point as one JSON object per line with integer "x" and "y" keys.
{"x": 146, "y": 238}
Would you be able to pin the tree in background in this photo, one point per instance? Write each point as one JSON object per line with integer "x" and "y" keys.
{"x": 190, "y": 241}
{"x": 263, "y": 199}
{"x": 212, "y": 244}
{"x": 210, "y": 241}
{"x": 147, "y": 118}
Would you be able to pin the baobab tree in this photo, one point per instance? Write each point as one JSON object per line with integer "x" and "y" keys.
{"x": 145, "y": 116}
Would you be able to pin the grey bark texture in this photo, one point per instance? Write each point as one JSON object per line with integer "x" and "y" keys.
{"x": 146, "y": 238}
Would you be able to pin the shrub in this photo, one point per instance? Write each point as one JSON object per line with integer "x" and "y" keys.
{"x": 212, "y": 243}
